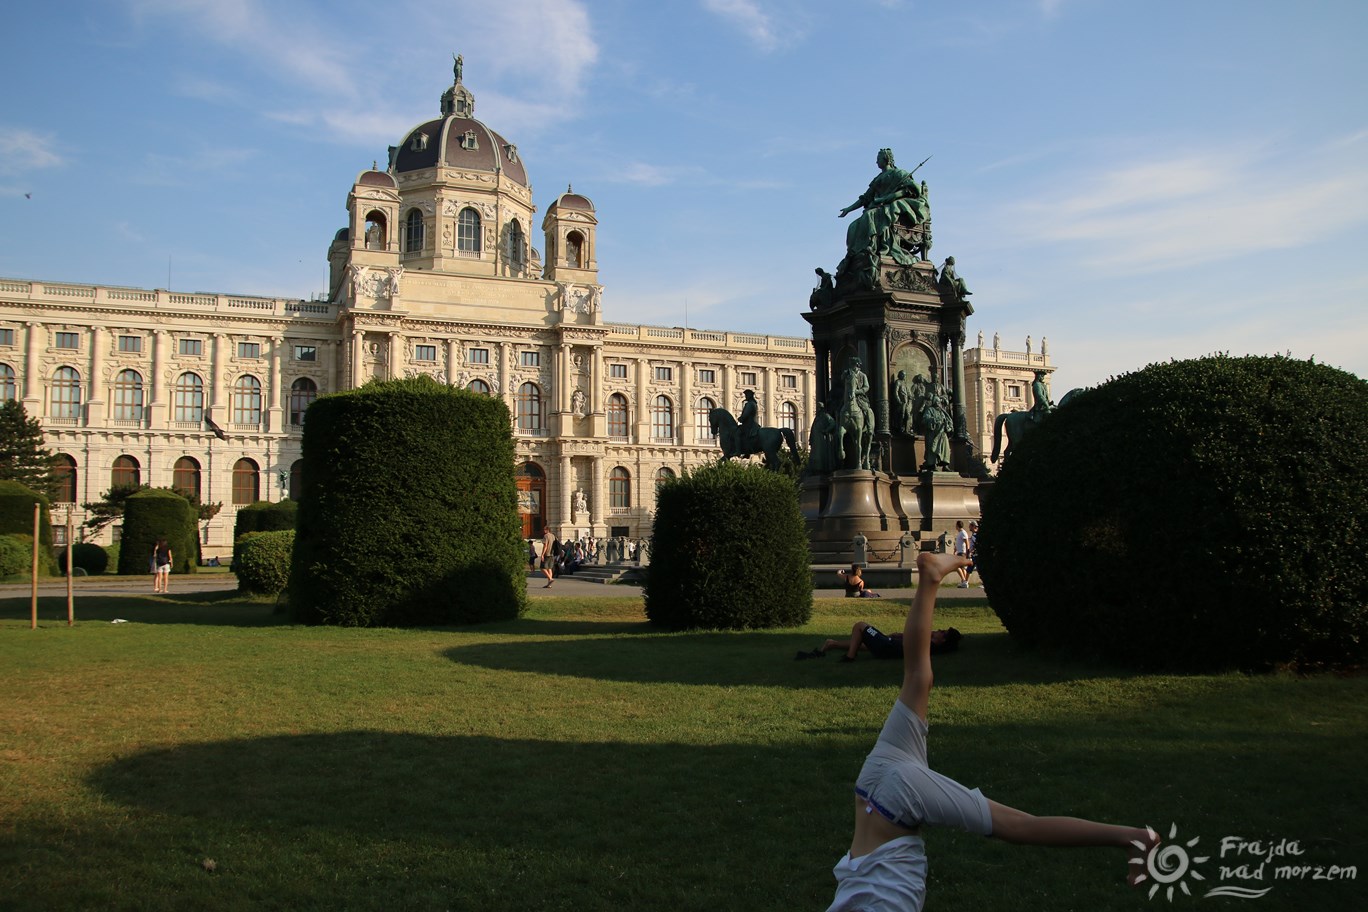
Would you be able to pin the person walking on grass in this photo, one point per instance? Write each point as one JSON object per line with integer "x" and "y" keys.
{"x": 161, "y": 565}
{"x": 896, "y": 793}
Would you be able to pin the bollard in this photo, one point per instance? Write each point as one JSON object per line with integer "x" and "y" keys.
{"x": 906, "y": 544}
{"x": 860, "y": 544}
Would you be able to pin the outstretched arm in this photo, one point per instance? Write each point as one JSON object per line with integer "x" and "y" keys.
{"x": 916, "y": 686}
{"x": 1012, "y": 825}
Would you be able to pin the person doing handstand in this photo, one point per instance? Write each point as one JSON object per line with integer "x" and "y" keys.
{"x": 896, "y": 792}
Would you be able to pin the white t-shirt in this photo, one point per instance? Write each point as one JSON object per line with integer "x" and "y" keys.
{"x": 961, "y": 542}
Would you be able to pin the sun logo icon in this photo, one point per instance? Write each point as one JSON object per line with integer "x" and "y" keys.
{"x": 1167, "y": 865}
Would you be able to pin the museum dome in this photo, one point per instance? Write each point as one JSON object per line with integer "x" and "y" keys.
{"x": 571, "y": 200}
{"x": 458, "y": 140}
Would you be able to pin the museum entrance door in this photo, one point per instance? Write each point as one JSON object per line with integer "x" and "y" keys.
{"x": 532, "y": 499}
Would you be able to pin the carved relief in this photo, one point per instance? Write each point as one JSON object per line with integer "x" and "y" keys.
{"x": 583, "y": 299}
{"x": 373, "y": 284}
{"x": 910, "y": 279}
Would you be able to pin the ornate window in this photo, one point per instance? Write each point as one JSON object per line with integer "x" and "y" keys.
{"x": 662, "y": 419}
{"x": 479, "y": 386}
{"x": 617, "y": 415}
{"x": 189, "y": 397}
{"x": 8, "y": 388}
{"x": 620, "y": 490}
{"x": 664, "y": 474}
{"x": 477, "y": 356}
{"x": 130, "y": 344}
{"x": 185, "y": 478}
{"x": 528, "y": 403}
{"x": 192, "y": 347}
{"x": 788, "y": 416}
{"x": 126, "y": 473}
{"x": 247, "y": 400}
{"x": 64, "y": 478}
{"x": 468, "y": 232}
{"x": 302, "y": 394}
{"x": 574, "y": 250}
{"x": 424, "y": 353}
{"x": 128, "y": 395}
{"x": 703, "y": 418}
{"x": 617, "y": 371}
{"x": 375, "y": 230}
{"x": 66, "y": 393}
{"x": 246, "y": 482}
{"x": 517, "y": 248}
{"x": 413, "y": 232}
{"x": 249, "y": 349}
{"x": 68, "y": 340}
{"x": 664, "y": 373}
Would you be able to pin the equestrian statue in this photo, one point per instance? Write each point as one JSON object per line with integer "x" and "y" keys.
{"x": 747, "y": 438}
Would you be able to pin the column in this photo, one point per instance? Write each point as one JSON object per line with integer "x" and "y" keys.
{"x": 158, "y": 407}
{"x": 643, "y": 429}
{"x": 96, "y": 399}
{"x": 567, "y": 478}
{"x": 685, "y": 411}
{"x": 33, "y": 370}
{"x": 215, "y": 405}
{"x": 453, "y": 360}
{"x": 767, "y": 420}
{"x": 823, "y": 352}
{"x": 393, "y": 351}
{"x": 358, "y": 352}
{"x": 275, "y": 412}
{"x": 331, "y": 350}
{"x": 596, "y": 382}
{"x": 503, "y": 353}
{"x": 957, "y": 377}
{"x": 564, "y": 378}
{"x": 597, "y": 527}
{"x": 879, "y": 382}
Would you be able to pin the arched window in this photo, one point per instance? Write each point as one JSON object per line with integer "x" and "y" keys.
{"x": 468, "y": 232}
{"x": 788, "y": 416}
{"x": 517, "y": 248}
{"x": 703, "y": 418}
{"x": 64, "y": 478}
{"x": 7, "y": 383}
{"x": 620, "y": 489}
{"x": 375, "y": 230}
{"x": 302, "y": 393}
{"x": 662, "y": 419}
{"x": 479, "y": 386}
{"x": 413, "y": 232}
{"x": 246, "y": 482}
{"x": 529, "y": 407}
{"x": 185, "y": 478}
{"x": 189, "y": 398}
{"x": 664, "y": 474}
{"x": 617, "y": 415}
{"x": 126, "y": 473}
{"x": 128, "y": 395}
{"x": 574, "y": 250}
{"x": 296, "y": 479}
{"x": 247, "y": 400}
{"x": 66, "y": 393}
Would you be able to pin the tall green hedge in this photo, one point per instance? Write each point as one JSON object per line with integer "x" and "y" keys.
{"x": 1196, "y": 514}
{"x": 16, "y": 517}
{"x": 262, "y": 561}
{"x": 263, "y": 516}
{"x": 153, "y": 514}
{"x": 408, "y": 513}
{"x": 729, "y": 550}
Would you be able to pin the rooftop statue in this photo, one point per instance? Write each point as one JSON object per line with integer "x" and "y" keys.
{"x": 896, "y": 223}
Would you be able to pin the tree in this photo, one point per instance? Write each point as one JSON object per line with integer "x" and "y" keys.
{"x": 23, "y": 458}
{"x": 110, "y": 507}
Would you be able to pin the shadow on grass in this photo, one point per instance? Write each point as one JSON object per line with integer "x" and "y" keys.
{"x": 632, "y": 653}
{"x": 220, "y": 609}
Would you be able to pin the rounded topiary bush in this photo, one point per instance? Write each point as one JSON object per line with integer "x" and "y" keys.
{"x": 263, "y": 516}
{"x": 729, "y": 550}
{"x": 262, "y": 560}
{"x": 153, "y": 514}
{"x": 16, "y": 516}
{"x": 409, "y": 510}
{"x": 86, "y": 556}
{"x": 1196, "y": 514}
{"x": 16, "y": 555}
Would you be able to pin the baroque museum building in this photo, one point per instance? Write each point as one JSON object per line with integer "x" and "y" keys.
{"x": 435, "y": 274}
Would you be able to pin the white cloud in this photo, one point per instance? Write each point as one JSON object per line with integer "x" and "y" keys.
{"x": 753, "y": 22}
{"x": 23, "y": 150}
{"x": 1161, "y": 214}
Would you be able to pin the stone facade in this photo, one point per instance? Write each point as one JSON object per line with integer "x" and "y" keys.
{"x": 999, "y": 381}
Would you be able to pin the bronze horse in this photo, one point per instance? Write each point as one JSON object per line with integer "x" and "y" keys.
{"x": 770, "y": 439}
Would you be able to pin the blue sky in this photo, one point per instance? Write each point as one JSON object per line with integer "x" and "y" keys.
{"x": 1134, "y": 181}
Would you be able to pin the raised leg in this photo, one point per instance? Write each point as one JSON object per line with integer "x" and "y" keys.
{"x": 916, "y": 686}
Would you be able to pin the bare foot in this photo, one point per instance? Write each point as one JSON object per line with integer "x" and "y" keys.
{"x": 1138, "y": 849}
{"x": 933, "y": 567}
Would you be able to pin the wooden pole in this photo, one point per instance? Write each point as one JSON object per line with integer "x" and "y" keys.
{"x": 33, "y": 607}
{"x": 71, "y": 546}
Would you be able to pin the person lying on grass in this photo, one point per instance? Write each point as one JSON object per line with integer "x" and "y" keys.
{"x": 865, "y": 635}
{"x": 896, "y": 792}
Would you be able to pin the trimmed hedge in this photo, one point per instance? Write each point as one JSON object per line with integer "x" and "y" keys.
{"x": 16, "y": 517}
{"x": 409, "y": 509}
{"x": 729, "y": 551}
{"x": 159, "y": 513}
{"x": 1198, "y": 514}
{"x": 86, "y": 556}
{"x": 263, "y": 516}
{"x": 16, "y": 555}
{"x": 262, "y": 561}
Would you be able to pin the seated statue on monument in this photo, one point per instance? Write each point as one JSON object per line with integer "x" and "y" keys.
{"x": 954, "y": 285}
{"x": 895, "y": 223}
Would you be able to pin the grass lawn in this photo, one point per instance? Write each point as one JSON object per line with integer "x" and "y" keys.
{"x": 577, "y": 759}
